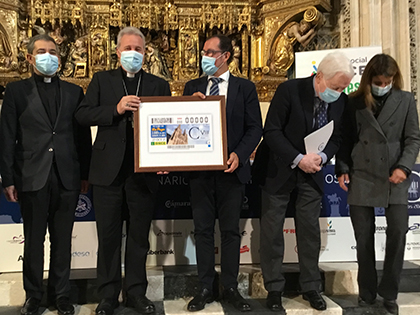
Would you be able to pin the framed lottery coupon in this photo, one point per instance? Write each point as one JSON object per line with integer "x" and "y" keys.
{"x": 180, "y": 133}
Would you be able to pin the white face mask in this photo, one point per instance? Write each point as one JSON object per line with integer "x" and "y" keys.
{"x": 379, "y": 90}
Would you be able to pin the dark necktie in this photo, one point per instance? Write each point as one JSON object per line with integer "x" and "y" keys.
{"x": 214, "y": 89}
{"x": 321, "y": 115}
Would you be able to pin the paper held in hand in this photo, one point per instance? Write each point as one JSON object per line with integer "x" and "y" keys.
{"x": 317, "y": 140}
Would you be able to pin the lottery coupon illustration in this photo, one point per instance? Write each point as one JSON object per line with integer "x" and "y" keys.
{"x": 171, "y": 133}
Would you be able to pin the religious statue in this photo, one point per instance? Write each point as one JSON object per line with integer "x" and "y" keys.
{"x": 5, "y": 52}
{"x": 77, "y": 60}
{"x": 234, "y": 66}
{"x": 98, "y": 50}
{"x": 23, "y": 64}
{"x": 155, "y": 63}
{"x": 282, "y": 54}
{"x": 190, "y": 53}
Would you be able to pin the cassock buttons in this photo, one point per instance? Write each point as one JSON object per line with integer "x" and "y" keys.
{"x": 50, "y": 149}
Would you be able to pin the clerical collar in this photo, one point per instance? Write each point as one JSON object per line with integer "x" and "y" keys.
{"x": 130, "y": 75}
{"x": 40, "y": 78}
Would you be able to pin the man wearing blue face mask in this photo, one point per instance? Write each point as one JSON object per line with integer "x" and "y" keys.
{"x": 282, "y": 168}
{"x": 44, "y": 156}
{"x": 110, "y": 101}
{"x": 221, "y": 193}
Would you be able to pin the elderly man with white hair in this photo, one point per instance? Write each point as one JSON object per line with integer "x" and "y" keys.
{"x": 111, "y": 99}
{"x": 284, "y": 169}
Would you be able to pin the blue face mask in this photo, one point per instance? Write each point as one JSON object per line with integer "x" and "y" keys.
{"x": 379, "y": 90}
{"x": 208, "y": 64}
{"x": 46, "y": 64}
{"x": 131, "y": 61}
{"x": 329, "y": 95}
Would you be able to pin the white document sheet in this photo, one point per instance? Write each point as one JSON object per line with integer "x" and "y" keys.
{"x": 317, "y": 140}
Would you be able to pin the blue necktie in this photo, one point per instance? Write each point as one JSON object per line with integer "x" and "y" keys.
{"x": 321, "y": 115}
{"x": 214, "y": 89}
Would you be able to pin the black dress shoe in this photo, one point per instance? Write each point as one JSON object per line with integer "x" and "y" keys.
{"x": 63, "y": 306}
{"x": 141, "y": 304}
{"x": 200, "y": 300}
{"x": 106, "y": 307}
{"x": 274, "y": 302}
{"x": 233, "y": 297}
{"x": 30, "y": 307}
{"x": 315, "y": 299}
{"x": 391, "y": 306}
{"x": 365, "y": 302}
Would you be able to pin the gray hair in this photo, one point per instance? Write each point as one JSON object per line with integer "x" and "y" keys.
{"x": 336, "y": 62}
{"x": 130, "y": 30}
{"x": 44, "y": 37}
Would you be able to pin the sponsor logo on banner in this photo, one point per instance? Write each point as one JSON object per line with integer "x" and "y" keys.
{"x": 173, "y": 234}
{"x": 161, "y": 252}
{"x": 324, "y": 248}
{"x": 415, "y": 228}
{"x": 80, "y": 254}
{"x": 245, "y": 204}
{"x": 17, "y": 240}
{"x": 413, "y": 246}
{"x": 244, "y": 249}
{"x": 289, "y": 231}
{"x": 176, "y": 204}
{"x": 84, "y": 206}
{"x": 329, "y": 230}
{"x": 381, "y": 229}
{"x": 413, "y": 191}
{"x": 334, "y": 202}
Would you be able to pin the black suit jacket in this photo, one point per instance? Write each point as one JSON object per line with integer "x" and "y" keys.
{"x": 30, "y": 142}
{"x": 289, "y": 121}
{"x": 243, "y": 117}
{"x": 98, "y": 108}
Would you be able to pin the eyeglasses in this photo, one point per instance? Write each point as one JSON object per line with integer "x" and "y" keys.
{"x": 210, "y": 52}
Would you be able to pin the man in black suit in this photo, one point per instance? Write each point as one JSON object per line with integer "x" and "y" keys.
{"x": 44, "y": 156}
{"x": 282, "y": 167}
{"x": 110, "y": 101}
{"x": 221, "y": 193}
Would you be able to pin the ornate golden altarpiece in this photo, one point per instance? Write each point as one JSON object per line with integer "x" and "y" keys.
{"x": 264, "y": 33}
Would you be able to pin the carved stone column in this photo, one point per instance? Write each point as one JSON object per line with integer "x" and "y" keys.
{"x": 384, "y": 23}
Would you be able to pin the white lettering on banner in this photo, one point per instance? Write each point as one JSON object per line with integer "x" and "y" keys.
{"x": 329, "y": 179}
{"x": 173, "y": 180}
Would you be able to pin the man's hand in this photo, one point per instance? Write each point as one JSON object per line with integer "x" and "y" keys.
{"x": 162, "y": 173}
{"x": 233, "y": 163}
{"x": 11, "y": 194}
{"x": 311, "y": 163}
{"x": 200, "y": 95}
{"x": 84, "y": 187}
{"x": 128, "y": 103}
{"x": 343, "y": 180}
{"x": 398, "y": 176}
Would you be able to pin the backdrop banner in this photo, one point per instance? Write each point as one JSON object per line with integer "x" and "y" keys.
{"x": 172, "y": 232}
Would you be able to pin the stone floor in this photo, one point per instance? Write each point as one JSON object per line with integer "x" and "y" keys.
{"x": 172, "y": 287}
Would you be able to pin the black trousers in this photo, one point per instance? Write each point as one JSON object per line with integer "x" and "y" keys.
{"x": 108, "y": 202}
{"x": 217, "y": 194}
{"x": 273, "y": 212}
{"x": 363, "y": 220}
{"x": 53, "y": 206}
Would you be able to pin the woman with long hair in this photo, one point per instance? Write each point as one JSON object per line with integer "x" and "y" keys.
{"x": 381, "y": 141}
